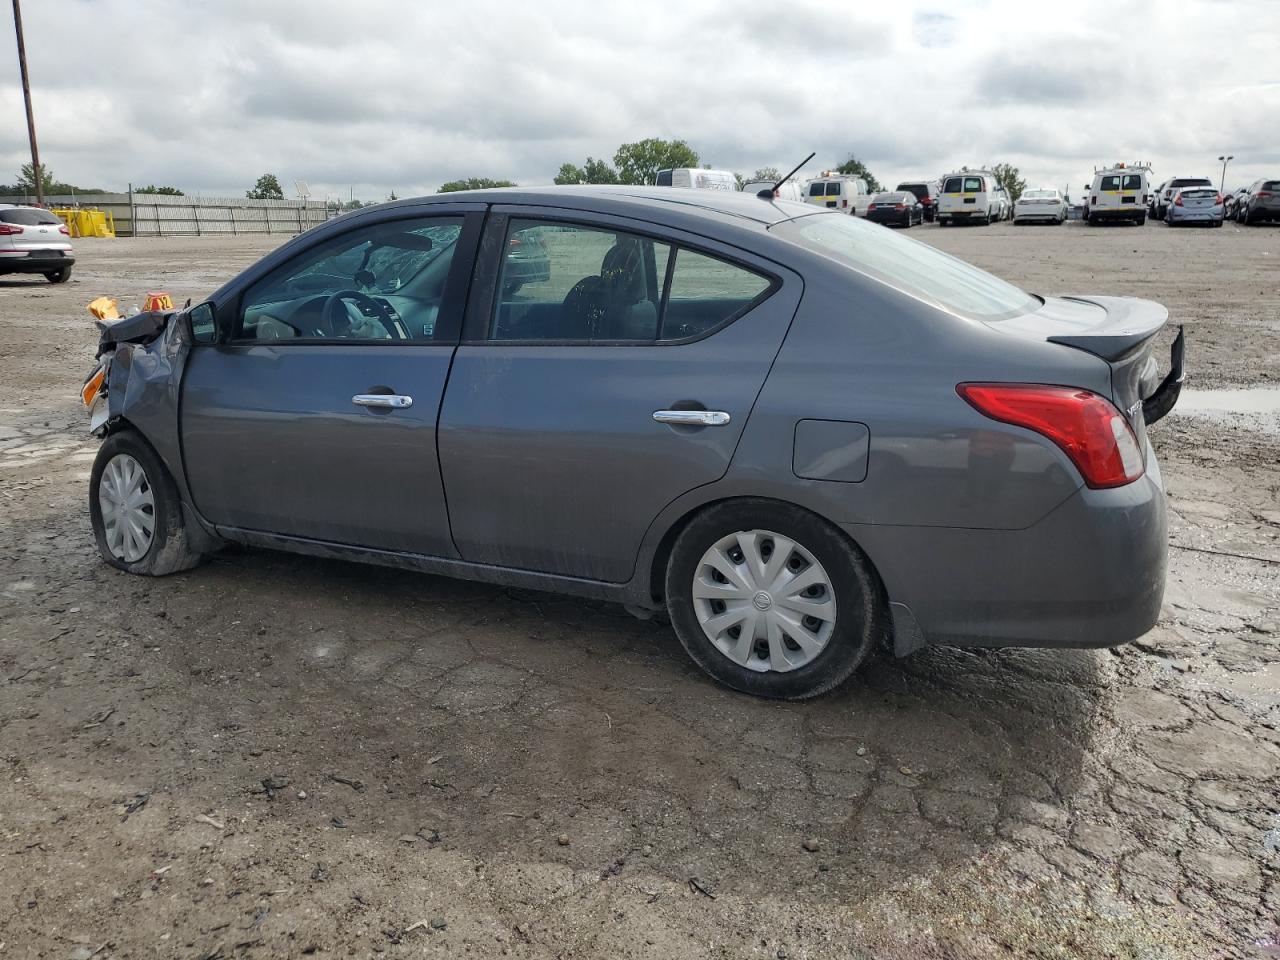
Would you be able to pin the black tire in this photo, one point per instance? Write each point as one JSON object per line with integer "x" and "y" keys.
{"x": 169, "y": 551}
{"x": 861, "y": 614}
{"x": 58, "y": 276}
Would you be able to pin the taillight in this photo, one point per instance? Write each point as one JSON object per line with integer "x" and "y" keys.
{"x": 870, "y": 207}
{"x": 9, "y": 229}
{"x": 1085, "y": 426}
{"x": 927, "y": 201}
{"x": 1177, "y": 202}
{"x": 1219, "y": 199}
{"x": 844, "y": 203}
{"x": 63, "y": 229}
{"x": 899, "y": 206}
{"x": 515, "y": 242}
{"x": 1263, "y": 194}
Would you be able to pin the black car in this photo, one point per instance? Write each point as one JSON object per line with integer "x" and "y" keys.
{"x": 926, "y": 191}
{"x": 896, "y": 208}
{"x": 1261, "y": 201}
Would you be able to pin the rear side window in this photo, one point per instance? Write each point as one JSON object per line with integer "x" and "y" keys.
{"x": 28, "y": 217}
{"x": 571, "y": 282}
{"x": 913, "y": 267}
{"x": 973, "y": 185}
{"x": 1132, "y": 181}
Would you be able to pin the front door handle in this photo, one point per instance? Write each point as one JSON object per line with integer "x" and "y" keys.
{"x": 383, "y": 401}
{"x": 692, "y": 418}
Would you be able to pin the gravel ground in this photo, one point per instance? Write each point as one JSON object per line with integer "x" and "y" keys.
{"x": 272, "y": 756}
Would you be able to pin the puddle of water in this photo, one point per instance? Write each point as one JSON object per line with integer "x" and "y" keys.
{"x": 1245, "y": 400}
{"x": 1256, "y": 408}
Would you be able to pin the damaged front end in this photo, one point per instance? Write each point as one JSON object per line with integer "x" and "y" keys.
{"x": 133, "y": 352}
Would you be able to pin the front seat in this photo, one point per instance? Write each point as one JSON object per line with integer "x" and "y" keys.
{"x": 630, "y": 314}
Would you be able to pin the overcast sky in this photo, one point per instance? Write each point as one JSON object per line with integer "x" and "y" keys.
{"x": 381, "y": 95}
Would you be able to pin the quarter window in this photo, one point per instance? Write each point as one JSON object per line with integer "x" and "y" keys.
{"x": 379, "y": 283}
{"x": 570, "y": 282}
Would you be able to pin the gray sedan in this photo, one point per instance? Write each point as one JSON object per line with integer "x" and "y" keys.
{"x": 797, "y": 433}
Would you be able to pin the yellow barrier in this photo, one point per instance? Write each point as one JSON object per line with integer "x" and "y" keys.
{"x": 87, "y": 223}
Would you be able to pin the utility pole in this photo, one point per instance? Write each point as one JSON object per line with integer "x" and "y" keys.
{"x": 1222, "y": 184}
{"x": 26, "y": 96}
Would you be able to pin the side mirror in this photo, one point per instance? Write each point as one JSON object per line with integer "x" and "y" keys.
{"x": 201, "y": 323}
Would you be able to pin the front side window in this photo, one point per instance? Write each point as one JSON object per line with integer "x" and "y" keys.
{"x": 913, "y": 267}
{"x": 382, "y": 282}
{"x": 578, "y": 283}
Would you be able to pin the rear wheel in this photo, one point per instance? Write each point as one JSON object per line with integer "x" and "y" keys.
{"x": 58, "y": 276}
{"x": 771, "y": 600}
{"x": 135, "y": 510}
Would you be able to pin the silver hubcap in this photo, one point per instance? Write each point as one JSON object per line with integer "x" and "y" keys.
{"x": 128, "y": 508}
{"x": 764, "y": 601}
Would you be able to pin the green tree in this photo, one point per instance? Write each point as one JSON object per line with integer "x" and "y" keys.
{"x": 1006, "y": 175}
{"x": 267, "y": 188}
{"x": 27, "y": 179}
{"x": 853, "y": 167}
{"x": 639, "y": 162}
{"x": 473, "y": 183}
{"x": 772, "y": 174}
{"x": 593, "y": 171}
{"x": 167, "y": 191}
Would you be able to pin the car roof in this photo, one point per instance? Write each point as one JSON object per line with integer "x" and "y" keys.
{"x": 633, "y": 200}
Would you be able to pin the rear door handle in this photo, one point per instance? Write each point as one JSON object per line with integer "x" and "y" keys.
{"x": 383, "y": 401}
{"x": 692, "y": 418}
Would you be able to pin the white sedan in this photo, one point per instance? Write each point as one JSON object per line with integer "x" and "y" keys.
{"x": 1044, "y": 204}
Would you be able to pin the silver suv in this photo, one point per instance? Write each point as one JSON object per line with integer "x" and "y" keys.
{"x": 33, "y": 240}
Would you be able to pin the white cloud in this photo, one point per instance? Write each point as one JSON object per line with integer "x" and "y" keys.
{"x": 384, "y": 94}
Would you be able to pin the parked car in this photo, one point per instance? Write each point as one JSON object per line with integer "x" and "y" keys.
{"x": 787, "y": 190}
{"x": 33, "y": 240}
{"x": 699, "y": 410}
{"x": 1174, "y": 183}
{"x": 1041, "y": 205}
{"x": 895, "y": 208}
{"x": 526, "y": 260}
{"x": 969, "y": 197}
{"x": 1195, "y": 205}
{"x": 838, "y": 192}
{"x": 697, "y": 178}
{"x": 927, "y": 192}
{"x": 1231, "y": 202}
{"x": 1118, "y": 194}
{"x": 1003, "y": 204}
{"x": 1261, "y": 202}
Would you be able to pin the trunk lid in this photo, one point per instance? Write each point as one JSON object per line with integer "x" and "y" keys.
{"x": 1120, "y": 331}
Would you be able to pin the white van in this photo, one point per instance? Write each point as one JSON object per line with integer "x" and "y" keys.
{"x": 840, "y": 193}
{"x": 1118, "y": 193}
{"x": 969, "y": 197}
{"x": 698, "y": 179}
{"x": 787, "y": 190}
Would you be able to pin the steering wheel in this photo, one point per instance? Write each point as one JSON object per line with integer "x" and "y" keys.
{"x": 337, "y": 321}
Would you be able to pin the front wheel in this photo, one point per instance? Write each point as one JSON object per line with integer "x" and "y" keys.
{"x": 771, "y": 600}
{"x": 135, "y": 510}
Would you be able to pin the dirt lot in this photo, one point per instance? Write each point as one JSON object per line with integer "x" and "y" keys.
{"x": 271, "y": 756}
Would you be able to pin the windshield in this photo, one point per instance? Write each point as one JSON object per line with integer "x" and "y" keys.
{"x": 913, "y": 267}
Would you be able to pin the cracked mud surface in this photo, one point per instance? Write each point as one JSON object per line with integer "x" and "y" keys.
{"x": 427, "y": 744}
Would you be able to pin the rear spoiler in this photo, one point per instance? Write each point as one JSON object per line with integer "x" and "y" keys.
{"x": 1161, "y": 402}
